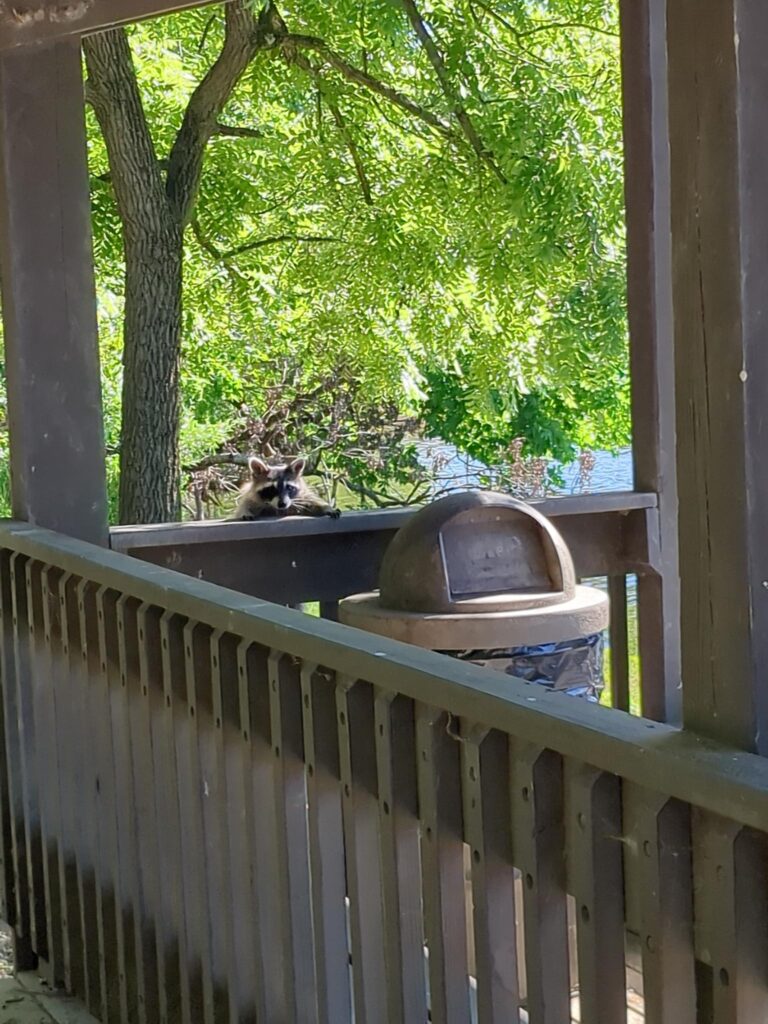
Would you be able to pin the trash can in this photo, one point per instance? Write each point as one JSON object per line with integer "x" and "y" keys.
{"x": 486, "y": 578}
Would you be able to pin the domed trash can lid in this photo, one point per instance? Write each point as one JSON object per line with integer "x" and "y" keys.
{"x": 478, "y": 570}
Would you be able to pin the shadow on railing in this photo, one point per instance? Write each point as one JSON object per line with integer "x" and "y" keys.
{"x": 218, "y": 809}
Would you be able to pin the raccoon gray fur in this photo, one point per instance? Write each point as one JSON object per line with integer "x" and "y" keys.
{"x": 280, "y": 491}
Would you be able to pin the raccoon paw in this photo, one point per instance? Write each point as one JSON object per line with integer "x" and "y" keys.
{"x": 333, "y": 513}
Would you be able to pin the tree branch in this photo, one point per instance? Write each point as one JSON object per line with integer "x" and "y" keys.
{"x": 354, "y": 152}
{"x": 436, "y": 60}
{"x": 547, "y": 26}
{"x": 245, "y": 35}
{"x": 221, "y": 459}
{"x": 234, "y": 131}
{"x": 260, "y": 243}
{"x": 113, "y": 92}
{"x": 292, "y": 42}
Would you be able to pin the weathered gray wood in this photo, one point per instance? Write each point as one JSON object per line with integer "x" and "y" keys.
{"x": 539, "y": 851}
{"x": 326, "y": 843}
{"x": 70, "y": 716}
{"x": 151, "y": 535}
{"x": 486, "y": 806}
{"x": 357, "y": 760}
{"x": 171, "y": 803}
{"x": 718, "y": 84}
{"x": 247, "y": 981}
{"x": 649, "y": 301}
{"x": 690, "y": 768}
{"x": 214, "y": 800}
{"x": 731, "y": 921}
{"x": 65, "y": 916}
{"x": 442, "y": 864}
{"x": 139, "y": 637}
{"x": 657, "y": 869}
{"x": 290, "y": 796}
{"x": 88, "y": 653}
{"x": 34, "y": 890}
{"x": 301, "y": 560}
{"x": 274, "y": 950}
{"x": 14, "y": 866}
{"x": 195, "y": 652}
{"x": 49, "y": 304}
{"x": 594, "y": 864}
{"x": 171, "y": 949}
{"x": 617, "y": 592}
{"x": 400, "y": 867}
{"x": 26, "y": 22}
{"x": 43, "y": 765}
{"x": 119, "y": 968}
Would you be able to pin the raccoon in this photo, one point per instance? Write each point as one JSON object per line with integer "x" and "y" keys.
{"x": 280, "y": 491}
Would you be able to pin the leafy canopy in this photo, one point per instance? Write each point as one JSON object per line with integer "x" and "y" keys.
{"x": 479, "y": 287}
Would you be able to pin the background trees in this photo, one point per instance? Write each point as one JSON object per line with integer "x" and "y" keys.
{"x": 314, "y": 219}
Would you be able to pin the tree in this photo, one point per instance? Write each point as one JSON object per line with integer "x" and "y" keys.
{"x": 366, "y": 173}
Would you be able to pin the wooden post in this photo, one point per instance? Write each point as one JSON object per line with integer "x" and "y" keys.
{"x": 649, "y": 299}
{"x": 718, "y": 96}
{"x": 49, "y": 301}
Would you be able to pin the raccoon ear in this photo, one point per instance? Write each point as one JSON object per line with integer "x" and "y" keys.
{"x": 258, "y": 467}
{"x": 297, "y": 466}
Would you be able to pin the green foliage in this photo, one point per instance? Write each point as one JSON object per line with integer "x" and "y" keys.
{"x": 492, "y": 309}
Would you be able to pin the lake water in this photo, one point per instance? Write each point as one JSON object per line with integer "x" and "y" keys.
{"x": 611, "y": 472}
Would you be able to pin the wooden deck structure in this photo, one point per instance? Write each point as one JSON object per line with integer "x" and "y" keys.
{"x": 217, "y": 809}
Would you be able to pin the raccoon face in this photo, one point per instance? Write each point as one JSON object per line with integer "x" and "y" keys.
{"x": 277, "y": 485}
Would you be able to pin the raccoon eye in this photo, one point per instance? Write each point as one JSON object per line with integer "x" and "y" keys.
{"x": 268, "y": 493}
{"x": 291, "y": 490}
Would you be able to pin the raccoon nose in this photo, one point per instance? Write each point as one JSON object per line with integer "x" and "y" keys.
{"x": 282, "y": 503}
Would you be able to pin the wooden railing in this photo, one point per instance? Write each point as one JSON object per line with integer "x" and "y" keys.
{"x": 613, "y": 539}
{"x": 216, "y": 809}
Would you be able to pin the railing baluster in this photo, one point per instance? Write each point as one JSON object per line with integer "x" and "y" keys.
{"x": 274, "y": 927}
{"x": 236, "y": 819}
{"x": 619, "y": 639}
{"x": 539, "y": 841}
{"x": 594, "y": 853}
{"x": 175, "y": 833}
{"x": 326, "y": 844}
{"x": 158, "y": 654}
{"x": 92, "y": 769}
{"x": 191, "y": 795}
{"x": 210, "y": 727}
{"x": 329, "y": 610}
{"x": 247, "y": 1002}
{"x": 129, "y": 908}
{"x": 34, "y": 890}
{"x": 400, "y": 858}
{"x": 43, "y": 767}
{"x": 357, "y": 751}
{"x": 487, "y": 830}
{"x": 63, "y": 914}
{"x": 442, "y": 862}
{"x": 14, "y": 850}
{"x": 135, "y": 643}
{"x": 290, "y": 794}
{"x": 71, "y": 719}
{"x": 657, "y": 868}
{"x": 108, "y": 796}
{"x": 731, "y": 921}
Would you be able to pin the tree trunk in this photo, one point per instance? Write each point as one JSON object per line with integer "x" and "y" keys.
{"x": 149, "y": 467}
{"x": 154, "y": 210}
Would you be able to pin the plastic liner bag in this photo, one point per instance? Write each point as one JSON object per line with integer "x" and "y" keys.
{"x": 574, "y": 667}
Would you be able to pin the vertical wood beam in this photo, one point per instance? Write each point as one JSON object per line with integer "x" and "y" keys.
{"x": 649, "y": 300}
{"x": 49, "y": 300}
{"x": 718, "y": 96}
